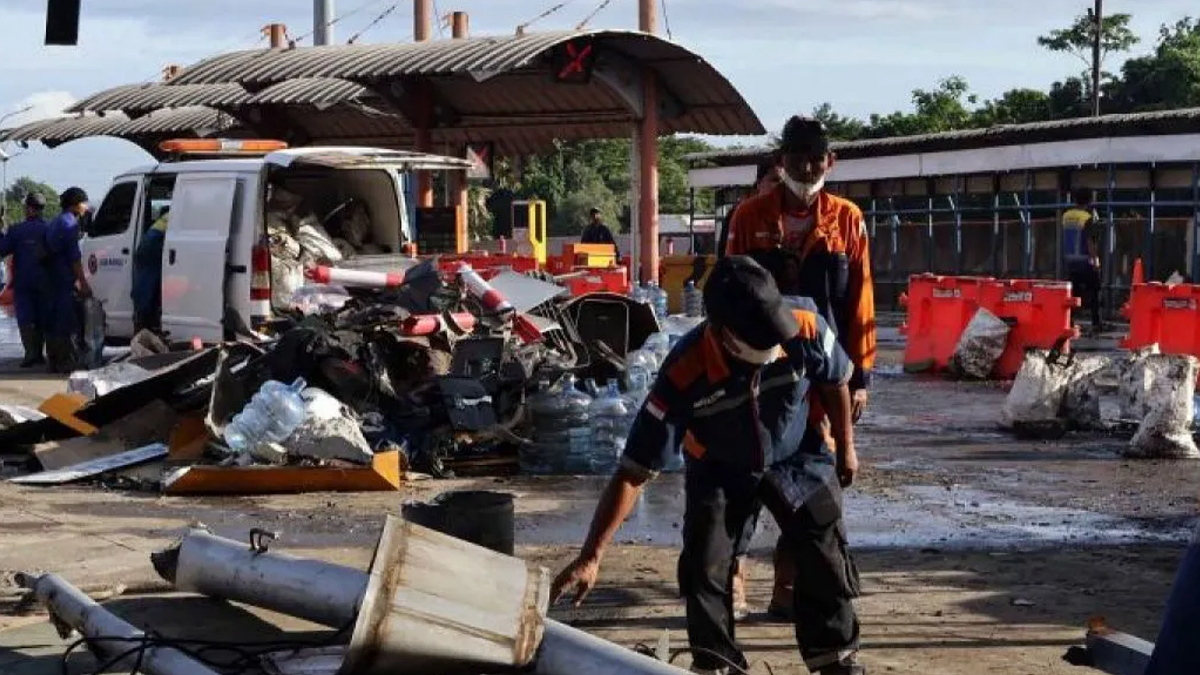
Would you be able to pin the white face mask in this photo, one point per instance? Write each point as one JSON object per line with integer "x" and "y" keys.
{"x": 744, "y": 352}
{"x": 804, "y": 191}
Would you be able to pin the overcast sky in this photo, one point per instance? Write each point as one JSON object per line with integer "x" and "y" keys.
{"x": 785, "y": 56}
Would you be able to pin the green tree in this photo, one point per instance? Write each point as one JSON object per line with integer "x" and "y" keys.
{"x": 840, "y": 128}
{"x": 1165, "y": 79}
{"x": 1015, "y": 106}
{"x": 14, "y": 199}
{"x": 944, "y": 108}
{"x": 1078, "y": 38}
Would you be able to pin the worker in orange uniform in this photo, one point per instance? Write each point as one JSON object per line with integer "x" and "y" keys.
{"x": 815, "y": 245}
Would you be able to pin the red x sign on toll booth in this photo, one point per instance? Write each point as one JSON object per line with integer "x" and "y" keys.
{"x": 574, "y": 61}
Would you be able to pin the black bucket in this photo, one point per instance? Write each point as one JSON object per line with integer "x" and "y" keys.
{"x": 481, "y": 517}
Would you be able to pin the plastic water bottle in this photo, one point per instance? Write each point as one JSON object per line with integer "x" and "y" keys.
{"x": 693, "y": 300}
{"x": 660, "y": 345}
{"x": 641, "y": 365}
{"x": 609, "y": 423}
{"x": 270, "y": 417}
{"x": 658, "y": 300}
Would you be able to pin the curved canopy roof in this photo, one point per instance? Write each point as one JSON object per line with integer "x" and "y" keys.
{"x": 485, "y": 89}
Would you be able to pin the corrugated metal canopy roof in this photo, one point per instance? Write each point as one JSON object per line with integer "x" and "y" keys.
{"x": 1182, "y": 120}
{"x": 141, "y": 98}
{"x": 476, "y": 70}
{"x": 496, "y": 89}
{"x": 194, "y": 121}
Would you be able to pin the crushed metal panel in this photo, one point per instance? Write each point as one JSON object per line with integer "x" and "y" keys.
{"x": 1118, "y": 653}
{"x": 525, "y": 292}
{"x": 319, "y": 661}
{"x": 94, "y": 467}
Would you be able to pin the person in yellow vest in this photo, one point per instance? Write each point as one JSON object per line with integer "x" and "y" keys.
{"x": 1081, "y": 253}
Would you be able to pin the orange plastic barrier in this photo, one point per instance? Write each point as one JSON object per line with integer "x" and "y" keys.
{"x": 611, "y": 280}
{"x": 1166, "y": 315}
{"x": 939, "y": 309}
{"x": 1039, "y": 313}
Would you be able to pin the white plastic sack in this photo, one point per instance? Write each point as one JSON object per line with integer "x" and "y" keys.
{"x": 1081, "y": 401}
{"x": 1037, "y": 394}
{"x": 1166, "y": 429}
{"x": 316, "y": 243}
{"x": 318, "y": 298}
{"x": 95, "y": 383}
{"x": 329, "y": 431}
{"x": 345, "y": 248}
{"x": 287, "y": 276}
{"x": 981, "y": 345}
{"x": 1133, "y": 384}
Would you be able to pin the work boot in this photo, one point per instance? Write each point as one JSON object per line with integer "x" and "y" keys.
{"x": 740, "y": 608}
{"x": 31, "y": 340}
{"x": 61, "y": 353}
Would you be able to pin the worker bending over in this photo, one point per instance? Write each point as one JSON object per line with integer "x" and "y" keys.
{"x": 815, "y": 245}
{"x": 734, "y": 393}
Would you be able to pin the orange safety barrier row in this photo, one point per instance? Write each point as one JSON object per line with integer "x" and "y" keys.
{"x": 1163, "y": 314}
{"x": 610, "y": 280}
{"x": 939, "y": 309}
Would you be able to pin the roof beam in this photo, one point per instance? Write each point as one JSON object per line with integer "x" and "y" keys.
{"x": 624, "y": 78}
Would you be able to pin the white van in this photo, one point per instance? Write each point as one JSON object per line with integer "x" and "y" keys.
{"x": 216, "y": 264}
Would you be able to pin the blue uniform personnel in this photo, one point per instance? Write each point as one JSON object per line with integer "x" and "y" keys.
{"x": 26, "y": 243}
{"x": 147, "y": 277}
{"x": 734, "y": 395}
{"x": 64, "y": 271}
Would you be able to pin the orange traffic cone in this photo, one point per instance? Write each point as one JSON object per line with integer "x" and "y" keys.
{"x": 1139, "y": 274}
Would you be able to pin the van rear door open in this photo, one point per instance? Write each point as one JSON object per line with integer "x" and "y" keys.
{"x": 194, "y": 256}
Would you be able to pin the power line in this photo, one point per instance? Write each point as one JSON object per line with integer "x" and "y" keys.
{"x": 373, "y": 23}
{"x": 521, "y": 28}
{"x": 441, "y": 20}
{"x": 589, "y": 17}
{"x": 667, "y": 20}
{"x": 357, "y": 10}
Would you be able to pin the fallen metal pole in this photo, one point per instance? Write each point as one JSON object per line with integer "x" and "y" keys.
{"x": 70, "y": 606}
{"x": 331, "y": 594}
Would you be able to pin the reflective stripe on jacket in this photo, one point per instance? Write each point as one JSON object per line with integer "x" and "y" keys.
{"x": 721, "y": 410}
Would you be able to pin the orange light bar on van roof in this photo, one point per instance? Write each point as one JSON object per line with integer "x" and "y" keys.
{"x": 220, "y": 146}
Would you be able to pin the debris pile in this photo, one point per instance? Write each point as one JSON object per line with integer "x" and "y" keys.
{"x": 369, "y": 378}
{"x": 1144, "y": 395}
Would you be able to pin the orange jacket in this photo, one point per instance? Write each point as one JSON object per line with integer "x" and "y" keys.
{"x": 757, "y": 226}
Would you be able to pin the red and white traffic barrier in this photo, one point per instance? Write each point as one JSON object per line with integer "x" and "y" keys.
{"x": 323, "y": 274}
{"x": 491, "y": 298}
{"x": 428, "y": 324}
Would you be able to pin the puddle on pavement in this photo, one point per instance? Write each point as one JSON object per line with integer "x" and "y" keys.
{"x": 921, "y": 516}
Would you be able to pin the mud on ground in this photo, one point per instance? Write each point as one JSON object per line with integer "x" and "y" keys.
{"x": 979, "y": 553}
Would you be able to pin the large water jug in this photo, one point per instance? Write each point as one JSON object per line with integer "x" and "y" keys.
{"x": 658, "y": 344}
{"x": 693, "y": 300}
{"x": 641, "y": 366}
{"x": 658, "y": 300}
{"x": 610, "y": 419}
{"x": 561, "y": 442}
{"x": 272, "y": 414}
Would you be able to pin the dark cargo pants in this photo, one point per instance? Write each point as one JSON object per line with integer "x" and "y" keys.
{"x": 803, "y": 495}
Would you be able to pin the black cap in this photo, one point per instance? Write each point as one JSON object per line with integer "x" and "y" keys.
{"x": 35, "y": 200}
{"x": 804, "y": 136}
{"x": 740, "y": 295}
{"x": 72, "y": 196}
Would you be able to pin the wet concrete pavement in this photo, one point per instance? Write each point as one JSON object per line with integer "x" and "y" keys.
{"x": 954, "y": 522}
